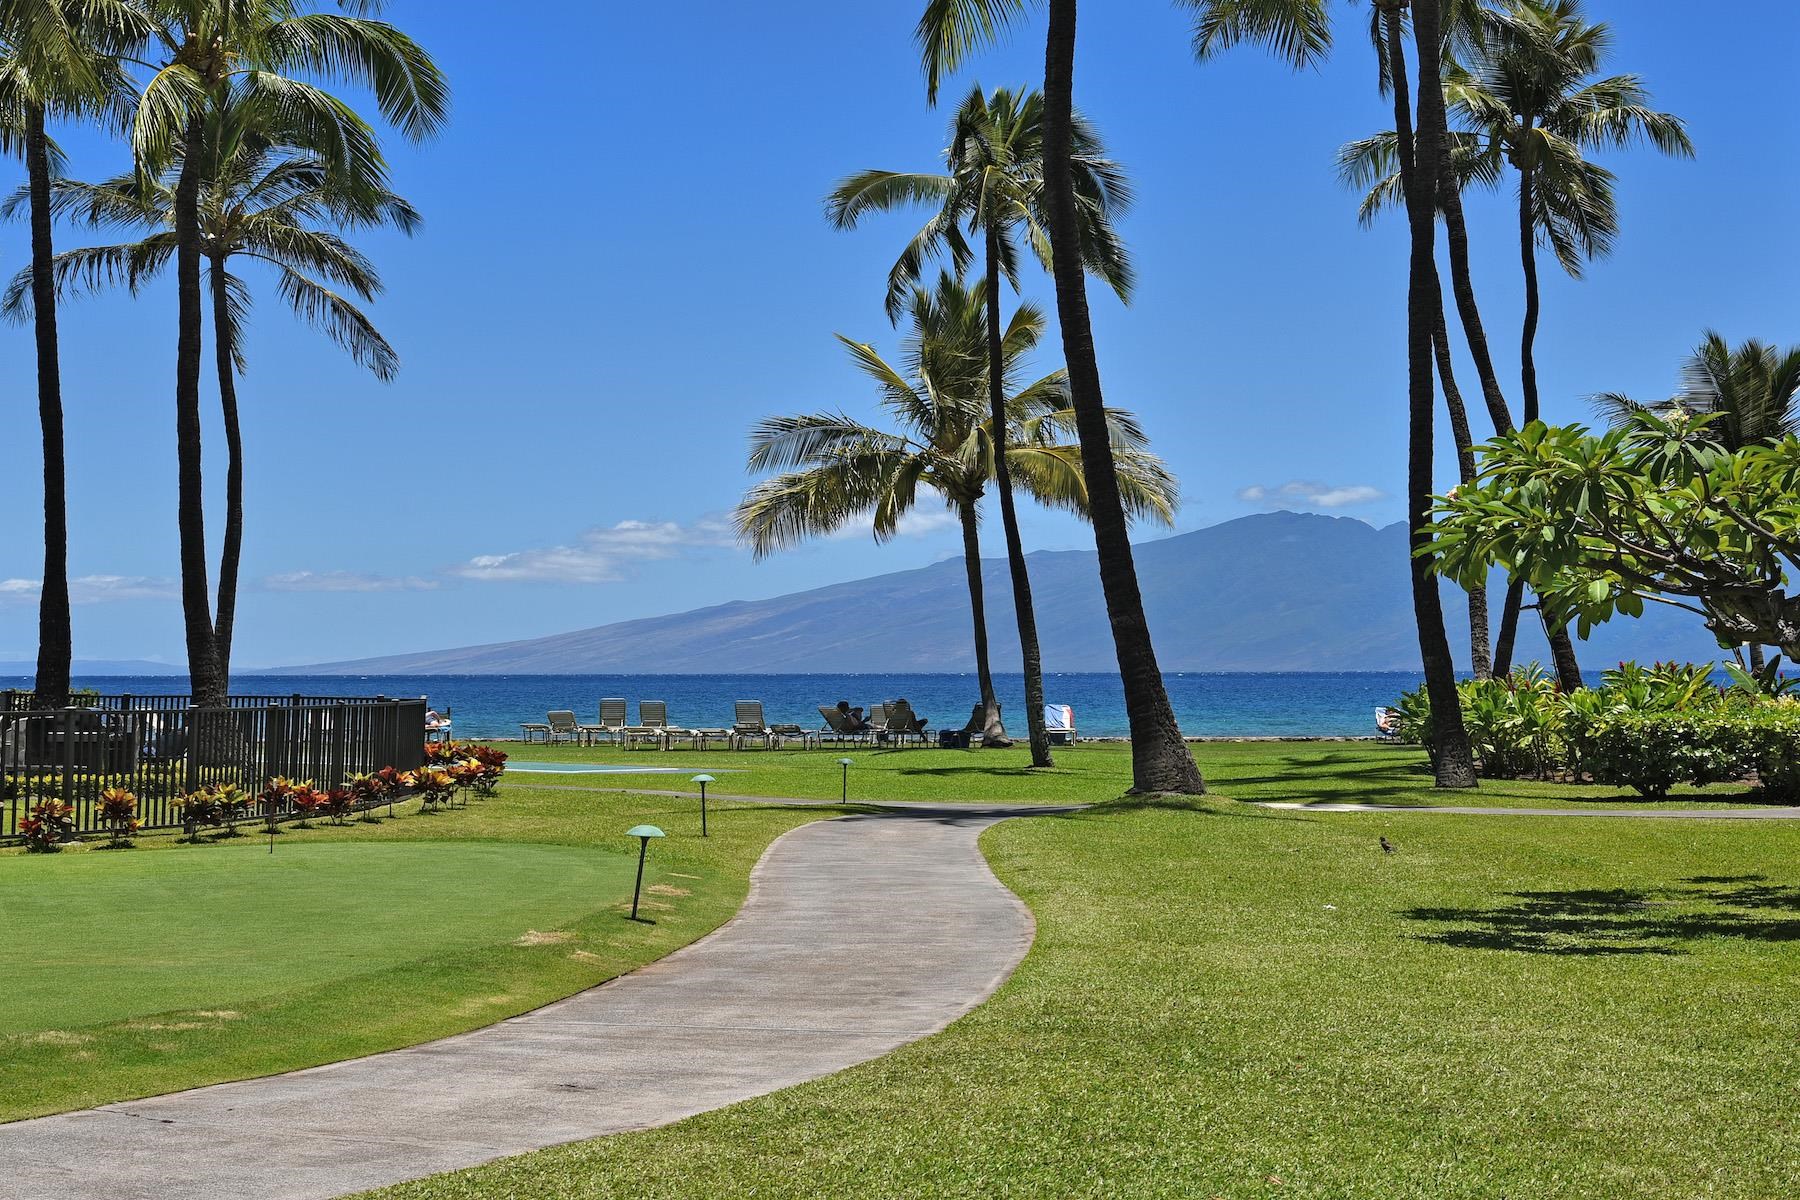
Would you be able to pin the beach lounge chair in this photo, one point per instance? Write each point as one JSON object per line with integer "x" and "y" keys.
{"x": 877, "y": 720}
{"x": 1059, "y": 724}
{"x": 902, "y": 725}
{"x": 612, "y": 721}
{"x": 530, "y": 731}
{"x": 563, "y": 726}
{"x": 783, "y": 732}
{"x": 1387, "y": 721}
{"x": 748, "y": 725}
{"x": 837, "y": 728}
{"x": 653, "y": 726}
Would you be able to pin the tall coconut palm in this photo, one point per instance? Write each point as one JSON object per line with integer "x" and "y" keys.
{"x": 268, "y": 55}
{"x": 992, "y": 192}
{"x": 1752, "y": 393}
{"x": 260, "y": 203}
{"x": 835, "y": 470}
{"x": 1372, "y": 166}
{"x": 948, "y": 31}
{"x": 1299, "y": 31}
{"x": 56, "y": 60}
{"x": 1531, "y": 91}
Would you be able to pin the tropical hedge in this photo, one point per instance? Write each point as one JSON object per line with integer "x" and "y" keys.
{"x": 1649, "y": 728}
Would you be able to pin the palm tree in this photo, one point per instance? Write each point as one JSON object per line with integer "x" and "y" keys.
{"x": 1751, "y": 393}
{"x": 992, "y": 188}
{"x": 1530, "y": 93}
{"x": 948, "y": 31}
{"x": 55, "y": 62}
{"x": 262, "y": 54}
{"x": 1372, "y": 166}
{"x": 834, "y": 469}
{"x": 259, "y": 202}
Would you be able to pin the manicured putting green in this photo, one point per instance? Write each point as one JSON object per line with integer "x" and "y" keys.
{"x": 93, "y": 937}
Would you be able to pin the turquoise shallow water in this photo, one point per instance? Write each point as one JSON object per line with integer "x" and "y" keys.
{"x": 1220, "y": 705}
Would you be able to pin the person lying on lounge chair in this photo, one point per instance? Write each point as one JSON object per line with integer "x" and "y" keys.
{"x": 854, "y": 720}
{"x": 911, "y": 721}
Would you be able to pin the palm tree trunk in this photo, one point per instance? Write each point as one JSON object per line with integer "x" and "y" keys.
{"x": 1562, "y": 649}
{"x": 978, "y": 608}
{"x": 1528, "y": 335}
{"x": 1160, "y": 761}
{"x": 231, "y": 552}
{"x": 55, "y": 637}
{"x": 1462, "y": 286}
{"x": 1562, "y": 653}
{"x": 1480, "y": 662}
{"x": 1032, "y": 661}
{"x": 207, "y": 686}
{"x": 1453, "y": 761}
{"x": 1758, "y": 660}
{"x": 1509, "y": 628}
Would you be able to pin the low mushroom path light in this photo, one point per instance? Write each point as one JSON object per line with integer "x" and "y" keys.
{"x": 703, "y": 780}
{"x": 643, "y": 833}
{"x": 845, "y": 763}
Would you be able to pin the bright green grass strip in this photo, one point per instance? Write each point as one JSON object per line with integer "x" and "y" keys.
{"x": 1236, "y": 1002}
{"x": 215, "y": 927}
{"x": 1302, "y": 772}
{"x": 371, "y": 963}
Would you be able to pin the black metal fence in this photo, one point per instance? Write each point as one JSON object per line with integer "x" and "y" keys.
{"x": 162, "y": 750}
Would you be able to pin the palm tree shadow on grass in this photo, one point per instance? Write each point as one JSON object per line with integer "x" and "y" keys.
{"x": 1600, "y": 922}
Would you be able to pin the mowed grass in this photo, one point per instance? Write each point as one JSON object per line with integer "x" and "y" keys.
{"x": 170, "y": 966}
{"x": 1237, "y": 1002}
{"x": 171, "y": 931}
{"x": 1292, "y": 772}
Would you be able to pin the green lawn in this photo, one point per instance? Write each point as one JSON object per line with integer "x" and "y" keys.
{"x": 1224, "y": 1001}
{"x": 1302, "y": 772}
{"x": 133, "y": 973}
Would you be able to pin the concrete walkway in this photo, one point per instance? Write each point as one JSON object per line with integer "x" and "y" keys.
{"x": 859, "y": 935}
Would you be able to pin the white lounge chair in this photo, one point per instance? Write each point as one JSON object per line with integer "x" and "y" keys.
{"x": 748, "y": 725}
{"x": 563, "y": 726}
{"x": 653, "y": 726}
{"x": 612, "y": 721}
{"x": 1059, "y": 724}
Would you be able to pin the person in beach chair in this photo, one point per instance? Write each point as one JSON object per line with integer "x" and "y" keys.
{"x": 854, "y": 720}
{"x": 903, "y": 723}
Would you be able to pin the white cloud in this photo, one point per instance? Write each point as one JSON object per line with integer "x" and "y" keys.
{"x": 917, "y": 523}
{"x": 94, "y": 589}
{"x": 1311, "y": 495}
{"x": 599, "y": 555}
{"x": 345, "y": 581}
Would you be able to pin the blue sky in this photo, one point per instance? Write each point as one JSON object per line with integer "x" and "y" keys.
{"x": 624, "y": 264}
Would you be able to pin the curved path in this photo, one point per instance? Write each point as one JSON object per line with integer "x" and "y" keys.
{"x": 859, "y": 935}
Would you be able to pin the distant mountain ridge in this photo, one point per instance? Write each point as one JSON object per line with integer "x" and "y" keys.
{"x": 1272, "y": 592}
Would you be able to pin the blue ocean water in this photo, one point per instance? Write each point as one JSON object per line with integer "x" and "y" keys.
{"x": 1217, "y": 705}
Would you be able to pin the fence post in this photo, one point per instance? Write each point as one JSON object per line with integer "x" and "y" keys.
{"x": 68, "y": 787}
{"x": 340, "y": 713}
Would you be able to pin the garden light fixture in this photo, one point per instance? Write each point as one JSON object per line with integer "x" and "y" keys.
{"x": 643, "y": 833}
{"x": 703, "y": 780}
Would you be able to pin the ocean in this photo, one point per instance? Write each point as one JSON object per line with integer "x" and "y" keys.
{"x": 1206, "y": 704}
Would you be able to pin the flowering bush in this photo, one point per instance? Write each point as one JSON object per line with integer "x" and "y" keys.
{"x": 230, "y": 804}
{"x": 338, "y": 803}
{"x": 46, "y": 825}
{"x": 307, "y": 801}
{"x": 118, "y": 809}
{"x": 433, "y": 784}
{"x": 1648, "y": 728}
{"x": 197, "y": 808}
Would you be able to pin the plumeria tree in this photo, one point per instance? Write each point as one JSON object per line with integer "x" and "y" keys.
{"x": 1655, "y": 510}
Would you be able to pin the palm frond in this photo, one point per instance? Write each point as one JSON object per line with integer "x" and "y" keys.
{"x": 1297, "y": 31}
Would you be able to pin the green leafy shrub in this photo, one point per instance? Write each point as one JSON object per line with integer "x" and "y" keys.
{"x": 1652, "y": 752}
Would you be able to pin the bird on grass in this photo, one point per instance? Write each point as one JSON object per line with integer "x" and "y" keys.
{"x": 1387, "y": 847}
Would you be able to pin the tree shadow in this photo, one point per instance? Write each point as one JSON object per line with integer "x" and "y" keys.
{"x": 1600, "y": 922}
